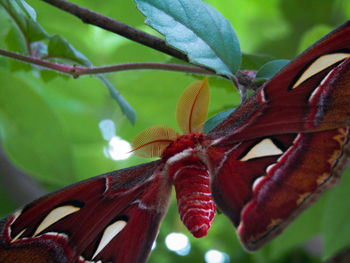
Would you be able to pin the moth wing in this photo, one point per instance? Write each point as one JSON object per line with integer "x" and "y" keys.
{"x": 273, "y": 156}
{"x": 263, "y": 184}
{"x": 113, "y": 217}
{"x": 311, "y": 93}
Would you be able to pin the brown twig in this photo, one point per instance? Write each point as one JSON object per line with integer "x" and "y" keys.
{"x": 142, "y": 66}
{"x": 107, "y": 23}
{"x": 37, "y": 61}
{"x": 77, "y": 71}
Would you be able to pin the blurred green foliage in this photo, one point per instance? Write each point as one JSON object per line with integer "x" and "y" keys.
{"x": 49, "y": 123}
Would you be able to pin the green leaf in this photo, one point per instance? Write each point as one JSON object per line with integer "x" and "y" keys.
{"x": 336, "y": 218}
{"x": 14, "y": 42}
{"x": 254, "y": 61}
{"x": 27, "y": 8}
{"x": 23, "y": 18}
{"x": 215, "y": 120}
{"x": 269, "y": 69}
{"x": 33, "y": 136}
{"x": 59, "y": 47}
{"x": 5, "y": 23}
{"x": 198, "y": 30}
{"x": 34, "y": 32}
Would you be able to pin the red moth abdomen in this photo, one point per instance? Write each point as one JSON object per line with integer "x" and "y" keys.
{"x": 191, "y": 180}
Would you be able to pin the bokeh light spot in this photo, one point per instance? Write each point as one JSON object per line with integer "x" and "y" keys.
{"x": 215, "y": 256}
{"x": 179, "y": 243}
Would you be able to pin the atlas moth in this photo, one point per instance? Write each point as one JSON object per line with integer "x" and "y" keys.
{"x": 261, "y": 166}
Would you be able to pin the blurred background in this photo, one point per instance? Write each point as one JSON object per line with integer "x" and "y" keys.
{"x": 56, "y": 130}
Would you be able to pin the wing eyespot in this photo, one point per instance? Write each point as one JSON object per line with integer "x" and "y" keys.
{"x": 320, "y": 64}
{"x": 264, "y": 148}
{"x": 56, "y": 215}
{"x": 110, "y": 232}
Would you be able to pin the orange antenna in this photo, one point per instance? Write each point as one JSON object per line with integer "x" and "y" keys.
{"x": 152, "y": 141}
{"x": 192, "y": 108}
